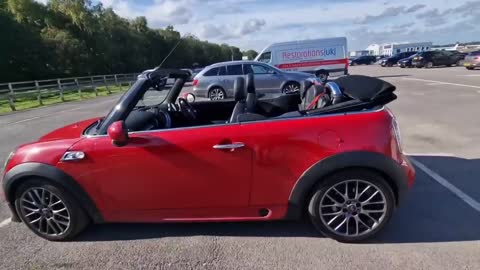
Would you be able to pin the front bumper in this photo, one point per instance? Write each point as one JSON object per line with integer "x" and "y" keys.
{"x": 15, "y": 217}
{"x": 409, "y": 170}
{"x": 471, "y": 64}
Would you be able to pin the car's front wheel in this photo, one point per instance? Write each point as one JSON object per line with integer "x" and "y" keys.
{"x": 352, "y": 205}
{"x": 216, "y": 93}
{"x": 49, "y": 211}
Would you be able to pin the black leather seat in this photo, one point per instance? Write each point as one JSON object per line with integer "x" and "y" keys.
{"x": 309, "y": 93}
{"x": 240, "y": 96}
{"x": 251, "y": 94}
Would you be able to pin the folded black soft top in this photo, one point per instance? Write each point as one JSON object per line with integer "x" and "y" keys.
{"x": 364, "y": 88}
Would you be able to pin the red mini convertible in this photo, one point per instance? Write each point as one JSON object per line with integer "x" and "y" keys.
{"x": 330, "y": 152}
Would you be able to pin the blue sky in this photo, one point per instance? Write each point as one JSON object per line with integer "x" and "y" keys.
{"x": 256, "y": 23}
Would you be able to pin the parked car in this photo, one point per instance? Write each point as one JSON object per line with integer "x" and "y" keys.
{"x": 392, "y": 60}
{"x": 406, "y": 62}
{"x": 363, "y": 60}
{"x": 472, "y": 60}
{"x": 322, "y": 57}
{"x": 190, "y": 72}
{"x": 163, "y": 159}
{"x": 216, "y": 81}
{"x": 431, "y": 59}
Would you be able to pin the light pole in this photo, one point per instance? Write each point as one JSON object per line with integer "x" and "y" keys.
{"x": 231, "y": 50}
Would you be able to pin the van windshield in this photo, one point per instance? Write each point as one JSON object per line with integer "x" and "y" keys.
{"x": 265, "y": 57}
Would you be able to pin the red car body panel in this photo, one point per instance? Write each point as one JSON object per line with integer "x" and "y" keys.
{"x": 176, "y": 175}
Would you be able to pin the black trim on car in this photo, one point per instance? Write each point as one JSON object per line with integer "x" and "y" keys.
{"x": 392, "y": 171}
{"x": 31, "y": 169}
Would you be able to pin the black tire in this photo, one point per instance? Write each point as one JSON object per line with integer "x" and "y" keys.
{"x": 367, "y": 176}
{"x": 470, "y": 68}
{"x": 290, "y": 87}
{"x": 78, "y": 218}
{"x": 217, "y": 93}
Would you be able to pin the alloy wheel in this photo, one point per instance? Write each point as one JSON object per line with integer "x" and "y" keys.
{"x": 353, "y": 208}
{"x": 217, "y": 94}
{"x": 291, "y": 88}
{"x": 45, "y": 211}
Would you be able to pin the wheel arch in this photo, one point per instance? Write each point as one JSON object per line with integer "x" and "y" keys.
{"x": 386, "y": 167}
{"x": 210, "y": 87}
{"x": 290, "y": 81}
{"x": 25, "y": 171}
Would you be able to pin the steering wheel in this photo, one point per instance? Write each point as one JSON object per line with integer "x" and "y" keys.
{"x": 187, "y": 109}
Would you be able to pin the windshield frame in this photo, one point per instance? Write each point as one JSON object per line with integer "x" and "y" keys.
{"x": 129, "y": 100}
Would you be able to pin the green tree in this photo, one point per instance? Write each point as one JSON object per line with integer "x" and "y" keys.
{"x": 251, "y": 54}
{"x": 81, "y": 37}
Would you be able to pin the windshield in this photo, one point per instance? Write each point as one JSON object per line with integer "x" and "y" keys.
{"x": 153, "y": 97}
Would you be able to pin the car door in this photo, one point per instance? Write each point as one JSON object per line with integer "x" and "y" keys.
{"x": 232, "y": 72}
{"x": 185, "y": 168}
{"x": 438, "y": 58}
{"x": 267, "y": 80}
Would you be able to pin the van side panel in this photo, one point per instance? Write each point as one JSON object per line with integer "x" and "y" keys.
{"x": 310, "y": 55}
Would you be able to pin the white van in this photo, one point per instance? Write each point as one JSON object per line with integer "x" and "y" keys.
{"x": 318, "y": 56}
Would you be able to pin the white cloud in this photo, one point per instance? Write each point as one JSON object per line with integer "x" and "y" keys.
{"x": 255, "y": 23}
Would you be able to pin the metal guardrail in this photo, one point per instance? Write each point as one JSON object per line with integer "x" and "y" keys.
{"x": 10, "y": 92}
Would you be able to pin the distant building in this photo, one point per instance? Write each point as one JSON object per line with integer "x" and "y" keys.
{"x": 394, "y": 48}
{"x": 374, "y": 49}
{"x": 390, "y": 49}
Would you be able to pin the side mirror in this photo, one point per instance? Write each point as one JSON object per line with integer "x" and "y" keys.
{"x": 118, "y": 133}
{"x": 190, "y": 98}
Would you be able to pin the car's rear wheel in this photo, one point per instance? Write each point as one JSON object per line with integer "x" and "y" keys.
{"x": 352, "y": 205}
{"x": 216, "y": 93}
{"x": 470, "y": 68}
{"x": 291, "y": 87}
{"x": 49, "y": 211}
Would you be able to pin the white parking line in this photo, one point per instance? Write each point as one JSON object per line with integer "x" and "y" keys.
{"x": 444, "y": 182}
{"x": 439, "y": 82}
{"x": 5, "y": 222}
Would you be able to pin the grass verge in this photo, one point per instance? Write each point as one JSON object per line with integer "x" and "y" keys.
{"x": 30, "y": 101}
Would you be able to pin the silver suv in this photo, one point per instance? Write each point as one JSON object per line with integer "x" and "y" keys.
{"x": 216, "y": 81}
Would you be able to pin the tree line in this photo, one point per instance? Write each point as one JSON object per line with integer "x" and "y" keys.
{"x": 67, "y": 38}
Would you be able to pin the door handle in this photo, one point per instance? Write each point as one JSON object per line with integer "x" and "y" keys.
{"x": 230, "y": 147}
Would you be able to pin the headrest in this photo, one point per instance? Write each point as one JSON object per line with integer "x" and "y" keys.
{"x": 239, "y": 89}
{"x": 306, "y": 84}
{"x": 250, "y": 83}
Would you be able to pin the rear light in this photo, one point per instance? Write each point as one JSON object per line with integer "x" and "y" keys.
{"x": 195, "y": 82}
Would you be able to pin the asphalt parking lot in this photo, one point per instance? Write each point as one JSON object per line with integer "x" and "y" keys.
{"x": 437, "y": 227}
